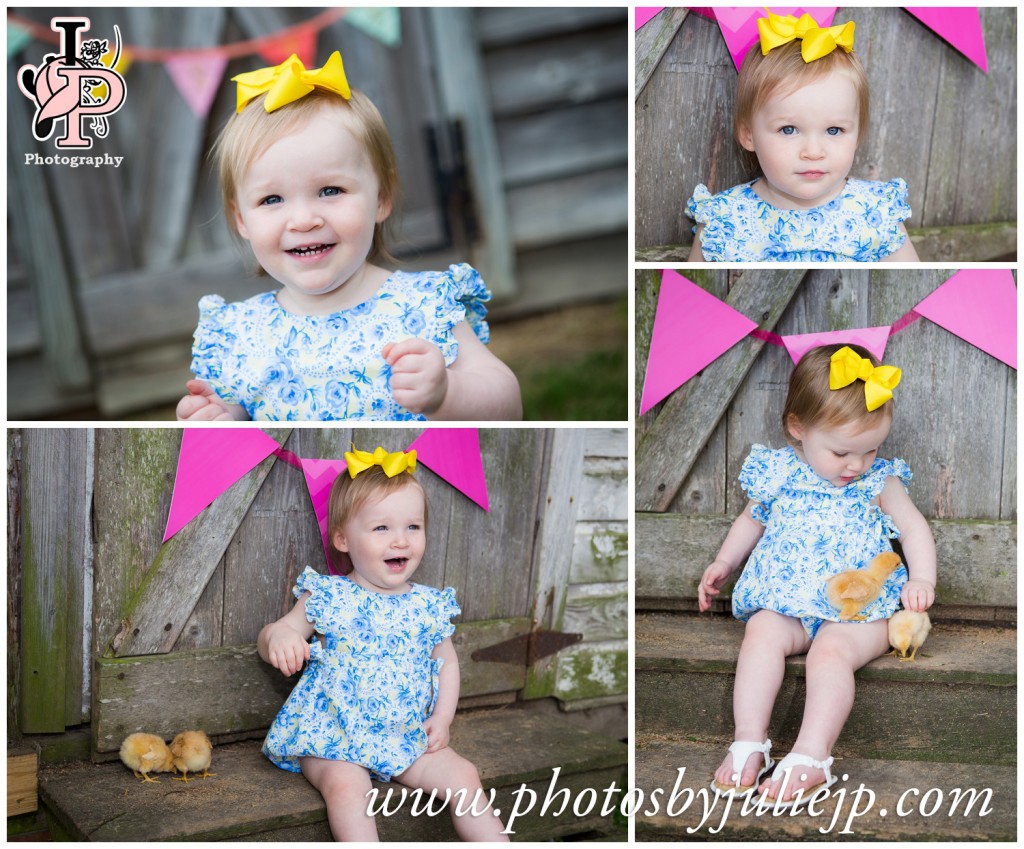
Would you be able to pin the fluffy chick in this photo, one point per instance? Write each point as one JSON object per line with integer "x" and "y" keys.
{"x": 146, "y": 753}
{"x": 855, "y": 589}
{"x": 192, "y": 752}
{"x": 908, "y": 629}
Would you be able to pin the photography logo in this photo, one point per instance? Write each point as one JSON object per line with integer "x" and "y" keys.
{"x": 67, "y": 86}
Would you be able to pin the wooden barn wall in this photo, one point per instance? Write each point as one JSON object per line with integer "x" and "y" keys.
{"x": 963, "y": 456}
{"x": 595, "y": 671}
{"x": 934, "y": 117}
{"x": 103, "y": 315}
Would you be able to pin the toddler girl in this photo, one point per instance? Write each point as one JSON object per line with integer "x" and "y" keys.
{"x": 825, "y": 504}
{"x": 309, "y": 179}
{"x": 801, "y": 111}
{"x": 382, "y": 683}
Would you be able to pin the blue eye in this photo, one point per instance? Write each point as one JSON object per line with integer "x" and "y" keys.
{"x": 269, "y": 200}
{"x": 788, "y": 130}
{"x": 834, "y": 131}
{"x": 330, "y": 192}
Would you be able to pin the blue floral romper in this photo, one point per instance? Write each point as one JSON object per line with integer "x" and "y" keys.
{"x": 862, "y": 224}
{"x": 813, "y": 530}
{"x": 285, "y": 367}
{"x": 365, "y": 694}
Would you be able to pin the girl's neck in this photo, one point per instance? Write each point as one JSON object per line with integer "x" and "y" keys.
{"x": 358, "y": 289}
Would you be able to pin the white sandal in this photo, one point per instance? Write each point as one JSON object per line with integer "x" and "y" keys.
{"x": 790, "y": 762}
{"x": 741, "y": 750}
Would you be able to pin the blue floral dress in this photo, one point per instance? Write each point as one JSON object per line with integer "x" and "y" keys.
{"x": 862, "y": 224}
{"x": 285, "y": 367}
{"x": 813, "y": 530}
{"x": 366, "y": 692}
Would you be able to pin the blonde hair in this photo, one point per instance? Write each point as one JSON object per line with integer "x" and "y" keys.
{"x": 348, "y": 495}
{"x": 249, "y": 133}
{"x": 811, "y": 403}
{"x": 784, "y": 70}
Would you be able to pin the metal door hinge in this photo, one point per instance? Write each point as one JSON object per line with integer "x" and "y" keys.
{"x": 527, "y": 649}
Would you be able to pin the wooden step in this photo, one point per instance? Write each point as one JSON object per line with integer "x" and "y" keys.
{"x": 251, "y": 799}
{"x": 928, "y": 814}
{"x": 956, "y": 703}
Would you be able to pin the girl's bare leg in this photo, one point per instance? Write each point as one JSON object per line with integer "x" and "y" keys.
{"x": 344, "y": 787}
{"x": 838, "y": 650}
{"x": 447, "y": 770}
{"x": 768, "y": 640}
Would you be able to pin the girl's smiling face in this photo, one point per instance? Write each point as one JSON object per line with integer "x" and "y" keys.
{"x": 308, "y": 206}
{"x": 805, "y": 141}
{"x": 385, "y": 540}
{"x": 840, "y": 454}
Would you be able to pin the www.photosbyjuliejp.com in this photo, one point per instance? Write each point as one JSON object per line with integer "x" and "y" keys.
{"x": 837, "y": 809}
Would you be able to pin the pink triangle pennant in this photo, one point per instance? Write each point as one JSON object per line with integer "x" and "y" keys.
{"x": 301, "y": 42}
{"x": 979, "y": 306}
{"x": 739, "y": 24}
{"x": 872, "y": 338}
{"x": 692, "y": 328}
{"x": 320, "y": 476}
{"x": 642, "y": 14}
{"x": 197, "y": 78}
{"x": 960, "y": 26}
{"x": 210, "y": 461}
{"x": 454, "y": 455}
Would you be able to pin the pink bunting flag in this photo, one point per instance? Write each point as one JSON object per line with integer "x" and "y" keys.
{"x": 320, "y": 476}
{"x": 197, "y": 78}
{"x": 454, "y": 455}
{"x": 692, "y": 328}
{"x": 300, "y": 41}
{"x": 960, "y": 26}
{"x": 739, "y": 24}
{"x": 979, "y": 306}
{"x": 210, "y": 461}
{"x": 872, "y": 338}
{"x": 643, "y": 14}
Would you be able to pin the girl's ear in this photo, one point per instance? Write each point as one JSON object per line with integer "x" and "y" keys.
{"x": 794, "y": 427}
{"x": 746, "y": 138}
{"x": 239, "y": 223}
{"x": 338, "y": 538}
{"x": 384, "y": 208}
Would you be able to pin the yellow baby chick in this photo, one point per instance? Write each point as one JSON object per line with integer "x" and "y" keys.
{"x": 192, "y": 751}
{"x": 146, "y": 753}
{"x": 908, "y": 629}
{"x": 855, "y": 589}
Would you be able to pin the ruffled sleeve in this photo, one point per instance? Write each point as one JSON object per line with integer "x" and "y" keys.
{"x": 211, "y": 343}
{"x": 461, "y": 296}
{"x": 443, "y": 608}
{"x": 892, "y": 209}
{"x": 713, "y": 212}
{"x": 762, "y": 475}
{"x": 873, "y": 483}
{"x": 321, "y": 589}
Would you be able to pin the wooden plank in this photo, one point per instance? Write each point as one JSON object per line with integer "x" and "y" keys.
{"x": 974, "y": 558}
{"x": 689, "y": 416}
{"x": 14, "y": 577}
{"x": 22, "y": 780}
{"x": 33, "y": 229}
{"x": 500, "y": 26}
{"x": 462, "y": 83}
{"x": 592, "y": 670}
{"x": 569, "y": 208}
{"x": 33, "y": 393}
{"x": 607, "y": 442}
{"x": 590, "y": 136}
{"x": 600, "y": 552}
{"x": 552, "y": 553}
{"x": 605, "y": 489}
{"x": 54, "y": 533}
{"x": 229, "y": 690}
{"x": 652, "y": 40}
{"x": 597, "y": 611}
{"x": 156, "y": 615}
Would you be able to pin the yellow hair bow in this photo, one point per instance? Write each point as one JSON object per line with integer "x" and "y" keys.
{"x": 777, "y": 30}
{"x": 392, "y": 464}
{"x": 879, "y": 381}
{"x": 289, "y": 81}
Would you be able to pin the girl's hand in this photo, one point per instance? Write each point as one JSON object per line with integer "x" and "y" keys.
{"x": 714, "y": 576}
{"x": 286, "y": 650}
{"x": 419, "y": 378}
{"x": 917, "y": 595}
{"x": 437, "y": 734}
{"x": 202, "y": 404}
